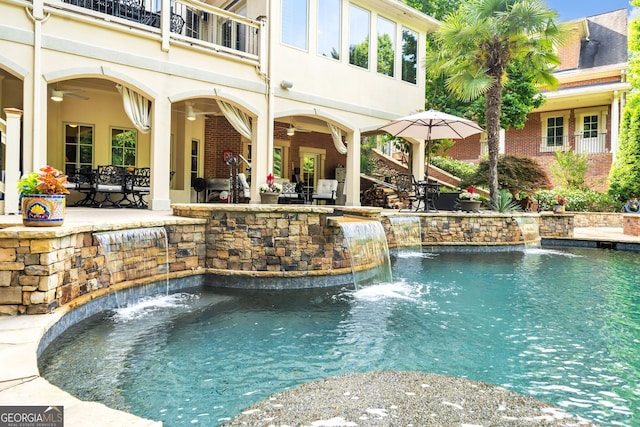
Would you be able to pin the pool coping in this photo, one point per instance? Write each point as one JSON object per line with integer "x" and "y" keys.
{"x": 21, "y": 337}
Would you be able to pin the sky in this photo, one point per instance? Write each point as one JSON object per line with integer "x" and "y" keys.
{"x": 573, "y": 9}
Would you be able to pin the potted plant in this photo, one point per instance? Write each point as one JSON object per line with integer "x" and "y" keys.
{"x": 470, "y": 200}
{"x": 270, "y": 191}
{"x": 560, "y": 203}
{"x": 43, "y": 197}
{"x": 632, "y": 206}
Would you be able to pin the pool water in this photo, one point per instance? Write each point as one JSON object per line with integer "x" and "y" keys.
{"x": 562, "y": 326}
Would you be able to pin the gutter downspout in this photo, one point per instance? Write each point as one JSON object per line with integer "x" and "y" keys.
{"x": 32, "y": 154}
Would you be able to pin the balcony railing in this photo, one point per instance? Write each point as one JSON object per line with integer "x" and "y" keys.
{"x": 197, "y": 22}
{"x": 541, "y": 146}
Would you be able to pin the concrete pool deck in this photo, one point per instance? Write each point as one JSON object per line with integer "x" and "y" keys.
{"x": 21, "y": 384}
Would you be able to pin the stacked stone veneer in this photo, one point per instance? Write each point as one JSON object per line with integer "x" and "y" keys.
{"x": 42, "y": 269}
{"x": 253, "y": 238}
{"x": 597, "y": 219}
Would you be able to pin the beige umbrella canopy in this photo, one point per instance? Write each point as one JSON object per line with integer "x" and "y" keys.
{"x": 430, "y": 125}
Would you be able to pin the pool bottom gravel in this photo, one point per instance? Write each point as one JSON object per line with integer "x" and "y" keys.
{"x": 393, "y": 398}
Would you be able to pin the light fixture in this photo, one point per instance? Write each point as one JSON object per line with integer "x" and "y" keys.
{"x": 191, "y": 115}
{"x": 286, "y": 84}
{"x": 57, "y": 95}
{"x": 291, "y": 131}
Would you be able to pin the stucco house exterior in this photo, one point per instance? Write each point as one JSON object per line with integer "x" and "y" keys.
{"x": 183, "y": 86}
{"x": 583, "y": 114}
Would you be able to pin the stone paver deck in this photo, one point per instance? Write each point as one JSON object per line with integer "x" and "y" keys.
{"x": 381, "y": 397}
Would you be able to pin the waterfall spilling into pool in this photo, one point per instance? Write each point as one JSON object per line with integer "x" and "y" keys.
{"x": 135, "y": 253}
{"x": 530, "y": 231}
{"x": 368, "y": 251}
{"x": 407, "y": 233}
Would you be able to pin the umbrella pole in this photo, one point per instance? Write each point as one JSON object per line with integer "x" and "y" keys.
{"x": 426, "y": 196}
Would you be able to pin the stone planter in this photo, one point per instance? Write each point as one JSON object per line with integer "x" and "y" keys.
{"x": 269, "y": 198}
{"x": 470, "y": 205}
{"x": 43, "y": 210}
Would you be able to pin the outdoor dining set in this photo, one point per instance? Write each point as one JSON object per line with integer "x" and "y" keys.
{"x": 111, "y": 186}
{"x": 421, "y": 195}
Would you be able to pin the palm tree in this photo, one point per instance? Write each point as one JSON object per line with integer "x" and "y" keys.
{"x": 476, "y": 45}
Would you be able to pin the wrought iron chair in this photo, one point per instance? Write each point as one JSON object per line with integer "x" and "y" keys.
{"x": 405, "y": 189}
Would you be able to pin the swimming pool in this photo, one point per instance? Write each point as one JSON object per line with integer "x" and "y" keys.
{"x": 562, "y": 326}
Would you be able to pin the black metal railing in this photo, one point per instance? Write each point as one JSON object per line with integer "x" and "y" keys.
{"x": 206, "y": 24}
{"x": 540, "y": 146}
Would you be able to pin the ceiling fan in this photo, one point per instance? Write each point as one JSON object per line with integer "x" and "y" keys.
{"x": 191, "y": 113}
{"x": 58, "y": 95}
{"x": 291, "y": 130}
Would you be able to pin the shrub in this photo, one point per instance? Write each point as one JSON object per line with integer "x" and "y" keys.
{"x": 584, "y": 200}
{"x": 569, "y": 168}
{"x": 624, "y": 177}
{"x": 515, "y": 173}
{"x": 455, "y": 167}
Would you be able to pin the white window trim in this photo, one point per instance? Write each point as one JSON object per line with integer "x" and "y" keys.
{"x": 565, "y": 131}
{"x": 601, "y": 112}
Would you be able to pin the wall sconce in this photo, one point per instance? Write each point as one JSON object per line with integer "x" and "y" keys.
{"x": 286, "y": 84}
{"x": 57, "y": 95}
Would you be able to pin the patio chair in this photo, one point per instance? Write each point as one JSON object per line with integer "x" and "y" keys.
{"x": 405, "y": 189}
{"x": 326, "y": 190}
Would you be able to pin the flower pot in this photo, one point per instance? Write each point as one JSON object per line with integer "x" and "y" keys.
{"x": 269, "y": 198}
{"x": 558, "y": 209}
{"x": 43, "y": 210}
{"x": 470, "y": 205}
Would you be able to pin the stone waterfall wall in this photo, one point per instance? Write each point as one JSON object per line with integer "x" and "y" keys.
{"x": 42, "y": 269}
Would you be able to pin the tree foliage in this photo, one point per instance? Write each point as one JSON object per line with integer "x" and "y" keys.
{"x": 624, "y": 177}
{"x": 477, "y": 44}
{"x": 436, "y": 8}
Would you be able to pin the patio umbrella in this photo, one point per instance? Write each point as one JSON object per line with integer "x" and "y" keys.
{"x": 430, "y": 125}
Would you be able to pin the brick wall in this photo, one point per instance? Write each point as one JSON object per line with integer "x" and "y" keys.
{"x": 631, "y": 224}
{"x": 219, "y": 136}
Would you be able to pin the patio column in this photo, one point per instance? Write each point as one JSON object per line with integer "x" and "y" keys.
{"x": 261, "y": 153}
{"x": 417, "y": 159}
{"x": 160, "y": 199}
{"x": 615, "y": 124}
{"x": 352, "y": 180}
{"x": 12, "y": 161}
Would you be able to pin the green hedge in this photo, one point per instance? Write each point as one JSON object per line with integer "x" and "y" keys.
{"x": 578, "y": 200}
{"x": 455, "y": 167}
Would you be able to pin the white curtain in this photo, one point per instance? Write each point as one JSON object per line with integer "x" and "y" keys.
{"x": 336, "y": 134}
{"x": 238, "y": 118}
{"x": 137, "y": 107}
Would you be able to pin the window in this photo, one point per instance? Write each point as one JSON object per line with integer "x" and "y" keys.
{"x": 590, "y": 126}
{"x": 295, "y": 23}
{"x": 78, "y": 148}
{"x": 409, "y": 55}
{"x": 123, "y": 147}
{"x": 195, "y": 155}
{"x": 555, "y": 131}
{"x": 591, "y": 130}
{"x": 386, "y": 46}
{"x": 358, "y": 37}
{"x": 329, "y": 28}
